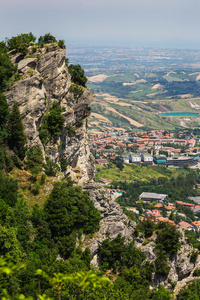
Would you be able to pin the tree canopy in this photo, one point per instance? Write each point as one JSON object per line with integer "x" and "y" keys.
{"x": 77, "y": 74}
{"x": 17, "y": 138}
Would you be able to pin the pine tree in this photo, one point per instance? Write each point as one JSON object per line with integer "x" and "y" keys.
{"x": 17, "y": 138}
{"x": 4, "y": 112}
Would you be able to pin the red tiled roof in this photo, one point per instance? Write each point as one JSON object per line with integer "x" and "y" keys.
{"x": 158, "y": 206}
{"x": 185, "y": 224}
{"x": 196, "y": 223}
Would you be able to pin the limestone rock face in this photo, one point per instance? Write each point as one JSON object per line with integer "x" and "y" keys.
{"x": 44, "y": 78}
{"x": 113, "y": 220}
{"x": 181, "y": 266}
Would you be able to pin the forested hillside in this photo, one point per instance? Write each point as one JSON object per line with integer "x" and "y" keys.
{"x": 45, "y": 217}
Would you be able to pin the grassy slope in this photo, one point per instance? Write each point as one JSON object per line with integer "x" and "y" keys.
{"x": 24, "y": 182}
{"x": 137, "y": 172}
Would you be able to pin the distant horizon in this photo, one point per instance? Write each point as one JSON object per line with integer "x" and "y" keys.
{"x": 145, "y": 23}
{"x": 97, "y": 43}
{"x": 129, "y": 46}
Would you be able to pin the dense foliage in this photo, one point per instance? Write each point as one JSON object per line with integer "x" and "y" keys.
{"x": 21, "y": 42}
{"x": 52, "y": 124}
{"x": 47, "y": 38}
{"x": 77, "y": 74}
{"x": 116, "y": 254}
{"x": 167, "y": 240}
{"x": 7, "y": 68}
{"x": 45, "y": 237}
{"x": 11, "y": 128}
{"x": 76, "y": 214}
{"x": 190, "y": 292}
{"x": 17, "y": 138}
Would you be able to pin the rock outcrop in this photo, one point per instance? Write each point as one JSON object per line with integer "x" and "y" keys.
{"x": 113, "y": 220}
{"x": 181, "y": 266}
{"x": 44, "y": 78}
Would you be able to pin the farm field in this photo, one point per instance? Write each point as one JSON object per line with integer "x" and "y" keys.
{"x": 133, "y": 101}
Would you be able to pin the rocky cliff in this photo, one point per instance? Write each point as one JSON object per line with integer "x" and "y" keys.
{"x": 181, "y": 265}
{"x": 113, "y": 220}
{"x": 44, "y": 78}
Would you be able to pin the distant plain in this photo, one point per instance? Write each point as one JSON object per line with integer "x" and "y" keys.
{"x": 132, "y": 86}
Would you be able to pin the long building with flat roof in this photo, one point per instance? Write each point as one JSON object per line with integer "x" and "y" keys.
{"x": 152, "y": 197}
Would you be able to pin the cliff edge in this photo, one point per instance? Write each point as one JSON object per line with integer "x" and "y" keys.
{"x": 44, "y": 79}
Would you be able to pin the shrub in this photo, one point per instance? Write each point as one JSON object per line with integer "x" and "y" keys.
{"x": 43, "y": 178}
{"x": 51, "y": 168}
{"x": 35, "y": 189}
{"x": 34, "y": 157}
{"x": 162, "y": 267}
{"x": 21, "y": 42}
{"x": 47, "y": 38}
{"x": 77, "y": 75}
{"x": 63, "y": 164}
{"x": 194, "y": 256}
{"x": 61, "y": 44}
{"x": 196, "y": 272}
{"x": 52, "y": 124}
{"x": 77, "y": 91}
{"x": 71, "y": 131}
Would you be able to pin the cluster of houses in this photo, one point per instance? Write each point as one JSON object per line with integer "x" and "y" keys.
{"x": 155, "y": 214}
{"x": 146, "y": 158}
{"x": 149, "y": 147}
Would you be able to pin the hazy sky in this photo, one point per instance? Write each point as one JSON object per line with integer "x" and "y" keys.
{"x": 162, "y": 23}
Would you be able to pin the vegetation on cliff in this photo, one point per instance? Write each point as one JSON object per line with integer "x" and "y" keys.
{"x": 49, "y": 236}
{"x": 52, "y": 124}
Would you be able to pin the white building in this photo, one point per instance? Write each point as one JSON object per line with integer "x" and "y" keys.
{"x": 135, "y": 158}
{"x": 146, "y": 196}
{"x": 146, "y": 157}
{"x": 126, "y": 159}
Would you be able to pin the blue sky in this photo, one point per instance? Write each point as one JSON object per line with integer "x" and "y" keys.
{"x": 160, "y": 23}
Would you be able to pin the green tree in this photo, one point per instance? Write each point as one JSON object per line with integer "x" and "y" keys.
{"x": 47, "y": 38}
{"x": 77, "y": 74}
{"x": 8, "y": 190}
{"x": 167, "y": 238}
{"x": 34, "y": 158}
{"x": 51, "y": 168}
{"x": 118, "y": 161}
{"x": 9, "y": 245}
{"x": 63, "y": 164}
{"x": 52, "y": 124}
{"x": 7, "y": 68}
{"x": 161, "y": 293}
{"x": 69, "y": 211}
{"x": 17, "y": 138}
{"x": 4, "y": 112}
{"x": 21, "y": 42}
{"x": 190, "y": 292}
